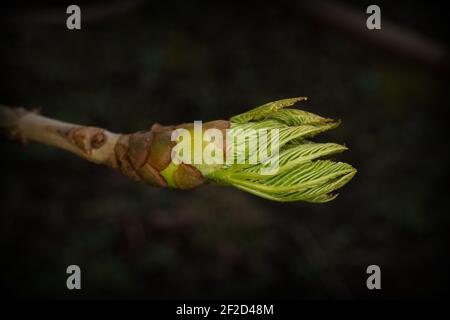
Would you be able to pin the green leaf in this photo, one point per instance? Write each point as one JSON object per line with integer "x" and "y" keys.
{"x": 295, "y": 117}
{"x": 301, "y": 175}
{"x": 263, "y": 111}
{"x": 291, "y": 157}
{"x": 318, "y": 194}
{"x": 285, "y": 135}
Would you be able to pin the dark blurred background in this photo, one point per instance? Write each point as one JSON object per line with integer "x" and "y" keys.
{"x": 136, "y": 63}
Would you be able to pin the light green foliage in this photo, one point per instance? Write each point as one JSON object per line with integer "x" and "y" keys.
{"x": 301, "y": 175}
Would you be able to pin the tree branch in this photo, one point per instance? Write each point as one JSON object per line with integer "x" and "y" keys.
{"x": 91, "y": 143}
{"x": 146, "y": 155}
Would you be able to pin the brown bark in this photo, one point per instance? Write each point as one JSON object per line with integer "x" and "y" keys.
{"x": 140, "y": 156}
{"x": 91, "y": 143}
